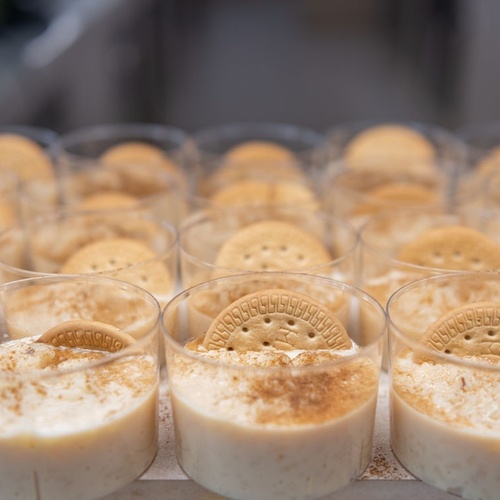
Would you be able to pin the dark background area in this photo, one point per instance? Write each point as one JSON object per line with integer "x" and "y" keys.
{"x": 194, "y": 63}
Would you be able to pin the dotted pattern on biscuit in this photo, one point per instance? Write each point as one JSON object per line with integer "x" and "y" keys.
{"x": 271, "y": 246}
{"x": 469, "y": 330}
{"x": 87, "y": 335}
{"x": 276, "y": 319}
{"x": 452, "y": 247}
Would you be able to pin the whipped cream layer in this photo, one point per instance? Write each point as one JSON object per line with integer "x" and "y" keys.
{"x": 465, "y": 398}
{"x": 74, "y": 425}
{"x": 445, "y": 424}
{"x": 53, "y": 400}
{"x": 273, "y": 424}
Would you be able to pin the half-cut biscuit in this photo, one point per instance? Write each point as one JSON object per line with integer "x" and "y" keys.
{"x": 276, "y": 319}
{"x": 125, "y": 258}
{"x": 87, "y": 335}
{"x": 265, "y": 193}
{"x": 453, "y": 247}
{"x": 390, "y": 147}
{"x": 272, "y": 245}
{"x": 395, "y": 194}
{"x": 24, "y": 157}
{"x": 469, "y": 330}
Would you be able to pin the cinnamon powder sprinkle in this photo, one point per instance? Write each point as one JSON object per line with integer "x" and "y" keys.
{"x": 294, "y": 399}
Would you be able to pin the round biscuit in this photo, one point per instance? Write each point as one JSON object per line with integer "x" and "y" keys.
{"x": 272, "y": 245}
{"x": 259, "y": 151}
{"x": 468, "y": 330}
{"x": 108, "y": 199}
{"x": 24, "y": 157}
{"x": 276, "y": 319}
{"x": 137, "y": 152}
{"x": 126, "y": 156}
{"x": 452, "y": 247}
{"x": 395, "y": 194}
{"x": 130, "y": 260}
{"x": 87, "y": 335}
{"x": 235, "y": 172}
{"x": 7, "y": 214}
{"x": 490, "y": 162}
{"x": 389, "y": 147}
{"x": 260, "y": 193}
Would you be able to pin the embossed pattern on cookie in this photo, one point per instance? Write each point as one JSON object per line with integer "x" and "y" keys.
{"x": 468, "y": 330}
{"x": 276, "y": 319}
{"x": 87, "y": 335}
{"x": 453, "y": 247}
{"x": 136, "y": 262}
{"x": 272, "y": 246}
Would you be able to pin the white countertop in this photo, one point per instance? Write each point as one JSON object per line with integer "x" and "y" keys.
{"x": 384, "y": 479}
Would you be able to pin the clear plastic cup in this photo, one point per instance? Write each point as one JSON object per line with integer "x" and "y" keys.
{"x": 234, "y": 151}
{"x": 399, "y": 145}
{"x": 26, "y": 152}
{"x": 144, "y": 162}
{"x": 483, "y": 146}
{"x": 9, "y": 199}
{"x": 381, "y": 240}
{"x": 445, "y": 426}
{"x": 357, "y": 196}
{"x": 76, "y": 422}
{"x": 126, "y": 244}
{"x": 248, "y": 426}
{"x": 325, "y": 245}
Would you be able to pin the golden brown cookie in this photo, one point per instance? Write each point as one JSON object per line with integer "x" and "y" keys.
{"x": 137, "y": 153}
{"x": 469, "y": 330}
{"x": 264, "y": 193}
{"x": 87, "y": 335}
{"x": 127, "y": 259}
{"x": 276, "y": 319}
{"x": 490, "y": 162}
{"x": 395, "y": 194}
{"x": 272, "y": 245}
{"x": 106, "y": 200}
{"x": 389, "y": 147}
{"x": 136, "y": 161}
{"x": 24, "y": 157}
{"x": 7, "y": 214}
{"x": 452, "y": 247}
{"x": 259, "y": 151}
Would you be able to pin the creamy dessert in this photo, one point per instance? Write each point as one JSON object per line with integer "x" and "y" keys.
{"x": 274, "y": 400}
{"x": 248, "y": 436}
{"x": 445, "y": 381}
{"x": 446, "y": 425}
{"x": 75, "y": 423}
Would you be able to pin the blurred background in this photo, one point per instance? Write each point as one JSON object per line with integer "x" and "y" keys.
{"x": 65, "y": 64}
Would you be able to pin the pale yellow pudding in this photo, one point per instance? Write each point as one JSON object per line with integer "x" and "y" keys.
{"x": 74, "y": 424}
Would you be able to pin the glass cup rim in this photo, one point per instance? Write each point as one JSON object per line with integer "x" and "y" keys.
{"x": 105, "y": 281}
{"x": 272, "y": 276}
{"x": 44, "y": 136}
{"x": 265, "y": 130}
{"x": 166, "y": 226}
{"x": 413, "y": 343}
{"x": 400, "y": 211}
{"x": 203, "y": 216}
{"x": 428, "y": 129}
{"x": 118, "y": 131}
